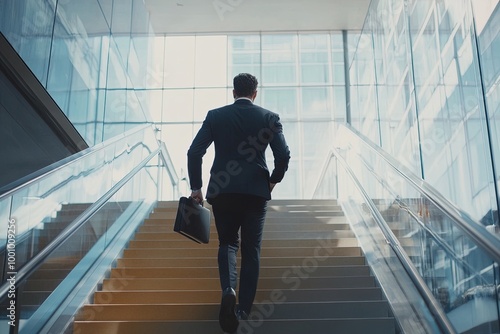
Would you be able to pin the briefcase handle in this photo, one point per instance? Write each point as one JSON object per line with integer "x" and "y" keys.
{"x": 202, "y": 202}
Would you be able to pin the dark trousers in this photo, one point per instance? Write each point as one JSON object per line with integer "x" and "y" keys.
{"x": 232, "y": 212}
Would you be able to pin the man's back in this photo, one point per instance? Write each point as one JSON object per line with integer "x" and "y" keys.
{"x": 241, "y": 132}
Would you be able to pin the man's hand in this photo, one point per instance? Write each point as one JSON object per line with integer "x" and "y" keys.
{"x": 271, "y": 186}
{"x": 197, "y": 195}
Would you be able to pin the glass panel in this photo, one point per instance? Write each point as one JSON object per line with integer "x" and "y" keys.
{"x": 179, "y": 61}
{"x": 313, "y": 156}
{"x": 408, "y": 305}
{"x": 279, "y": 59}
{"x": 459, "y": 273}
{"x": 178, "y": 105}
{"x": 31, "y": 37}
{"x": 63, "y": 269}
{"x": 282, "y": 101}
{"x": 422, "y": 60}
{"x": 178, "y": 138}
{"x": 451, "y": 109}
{"x": 211, "y": 61}
{"x": 315, "y": 65}
{"x": 487, "y": 16}
{"x": 83, "y": 181}
{"x": 155, "y": 71}
{"x": 316, "y": 103}
{"x": 207, "y": 99}
{"x": 42, "y": 210}
{"x": 244, "y": 56}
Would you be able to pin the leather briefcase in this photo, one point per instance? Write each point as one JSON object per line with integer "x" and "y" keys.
{"x": 192, "y": 220}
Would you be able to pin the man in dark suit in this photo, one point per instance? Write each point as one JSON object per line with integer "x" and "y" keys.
{"x": 240, "y": 186}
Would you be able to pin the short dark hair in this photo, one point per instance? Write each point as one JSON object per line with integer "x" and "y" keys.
{"x": 245, "y": 84}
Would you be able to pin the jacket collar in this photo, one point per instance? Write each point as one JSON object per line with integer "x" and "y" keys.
{"x": 243, "y": 101}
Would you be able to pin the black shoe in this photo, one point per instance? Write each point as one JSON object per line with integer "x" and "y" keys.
{"x": 242, "y": 315}
{"x": 227, "y": 316}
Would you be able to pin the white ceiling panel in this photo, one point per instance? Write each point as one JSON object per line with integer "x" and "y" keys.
{"x": 222, "y": 16}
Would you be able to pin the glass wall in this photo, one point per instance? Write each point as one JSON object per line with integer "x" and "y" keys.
{"x": 424, "y": 84}
{"x": 108, "y": 72}
{"x": 487, "y": 19}
{"x": 88, "y": 57}
{"x": 426, "y": 95}
{"x": 301, "y": 77}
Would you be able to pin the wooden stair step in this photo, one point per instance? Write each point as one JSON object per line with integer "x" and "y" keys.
{"x": 264, "y": 261}
{"x": 265, "y": 251}
{"x": 200, "y": 272}
{"x": 186, "y": 243}
{"x": 257, "y": 325}
{"x": 270, "y": 214}
{"x": 278, "y": 310}
{"x": 278, "y": 235}
{"x": 155, "y": 227}
{"x": 289, "y": 282}
{"x": 213, "y": 296}
{"x": 313, "y": 279}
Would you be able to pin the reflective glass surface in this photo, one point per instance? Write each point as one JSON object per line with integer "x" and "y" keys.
{"x": 487, "y": 23}
{"x": 82, "y": 181}
{"x": 461, "y": 275}
{"x": 109, "y": 72}
{"x": 423, "y": 88}
{"x": 301, "y": 77}
{"x": 42, "y": 210}
{"x": 90, "y": 68}
{"x": 423, "y": 80}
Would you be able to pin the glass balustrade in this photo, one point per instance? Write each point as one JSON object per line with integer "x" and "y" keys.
{"x": 41, "y": 211}
{"x": 451, "y": 252}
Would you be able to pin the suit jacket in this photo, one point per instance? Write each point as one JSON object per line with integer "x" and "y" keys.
{"x": 241, "y": 132}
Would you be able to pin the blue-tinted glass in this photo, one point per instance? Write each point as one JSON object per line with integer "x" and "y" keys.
{"x": 489, "y": 48}
{"x": 281, "y": 100}
{"x": 28, "y": 26}
{"x": 316, "y": 102}
{"x": 279, "y": 59}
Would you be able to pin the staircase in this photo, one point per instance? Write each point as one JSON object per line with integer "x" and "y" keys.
{"x": 313, "y": 280}
{"x": 54, "y": 270}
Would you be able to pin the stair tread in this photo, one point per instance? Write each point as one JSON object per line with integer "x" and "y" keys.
{"x": 342, "y": 326}
{"x": 265, "y": 261}
{"x": 202, "y": 296}
{"x": 213, "y": 283}
{"x": 313, "y": 276}
{"x": 206, "y": 272}
{"x": 207, "y": 311}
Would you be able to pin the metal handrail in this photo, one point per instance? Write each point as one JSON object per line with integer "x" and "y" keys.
{"x": 432, "y": 303}
{"x": 323, "y": 172}
{"x": 57, "y": 166}
{"x": 486, "y": 240}
{"x": 440, "y": 241}
{"x": 167, "y": 161}
{"x": 437, "y": 238}
{"x": 37, "y": 260}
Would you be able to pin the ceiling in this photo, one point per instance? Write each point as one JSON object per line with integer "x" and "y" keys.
{"x": 223, "y": 16}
